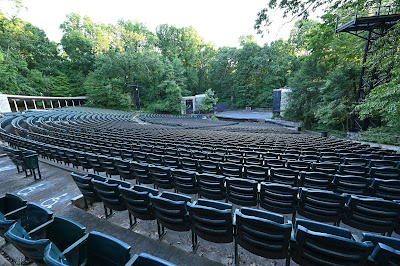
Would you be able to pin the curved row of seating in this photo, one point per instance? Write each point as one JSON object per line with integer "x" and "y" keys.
{"x": 57, "y": 241}
{"x": 260, "y": 232}
{"x": 166, "y": 170}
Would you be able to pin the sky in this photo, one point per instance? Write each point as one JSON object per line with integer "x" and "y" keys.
{"x": 220, "y": 22}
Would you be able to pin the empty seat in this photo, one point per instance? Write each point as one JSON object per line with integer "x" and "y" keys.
{"x": 160, "y": 176}
{"x": 317, "y": 180}
{"x": 184, "y": 181}
{"x": 298, "y": 165}
{"x": 93, "y": 249}
{"x": 138, "y": 203}
{"x": 217, "y": 157}
{"x": 140, "y": 172}
{"x": 208, "y": 166}
{"x": 241, "y": 191}
{"x": 384, "y": 173}
{"x": 278, "y": 198}
{"x": 188, "y": 164}
{"x": 124, "y": 168}
{"x": 61, "y": 231}
{"x": 10, "y": 202}
{"x": 86, "y": 187}
{"x": 351, "y": 184}
{"x": 284, "y": 176}
{"x": 262, "y": 233}
{"x": 371, "y": 214}
{"x": 325, "y": 167}
{"x": 386, "y": 189}
{"x": 29, "y": 217}
{"x": 320, "y": 205}
{"x": 170, "y": 210}
{"x": 170, "y": 161}
{"x": 316, "y": 243}
{"x": 277, "y": 163}
{"x": 255, "y": 172}
{"x": 386, "y": 251}
{"x": 155, "y": 159}
{"x": 211, "y": 220}
{"x": 231, "y": 169}
{"x": 234, "y": 159}
{"x": 351, "y": 169}
{"x": 211, "y": 186}
{"x": 110, "y": 194}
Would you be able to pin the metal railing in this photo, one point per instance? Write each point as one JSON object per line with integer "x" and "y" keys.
{"x": 376, "y": 11}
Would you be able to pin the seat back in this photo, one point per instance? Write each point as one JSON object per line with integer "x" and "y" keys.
{"x": 320, "y": 205}
{"x": 317, "y": 180}
{"x": 211, "y": 220}
{"x": 160, "y": 176}
{"x": 208, "y": 166}
{"x": 184, "y": 181}
{"x": 384, "y": 173}
{"x": 140, "y": 172}
{"x": 255, "y": 172}
{"x": 351, "y": 184}
{"x": 138, "y": 202}
{"x": 284, "y": 176}
{"x": 86, "y": 187}
{"x": 321, "y": 244}
{"x": 387, "y": 249}
{"x": 230, "y": 169}
{"x": 278, "y": 198}
{"x": 372, "y": 214}
{"x": 10, "y": 202}
{"x": 103, "y": 249}
{"x": 386, "y": 189}
{"x": 211, "y": 186}
{"x": 32, "y": 249}
{"x": 262, "y": 233}
{"x": 242, "y": 192}
{"x": 110, "y": 195}
{"x": 171, "y": 210}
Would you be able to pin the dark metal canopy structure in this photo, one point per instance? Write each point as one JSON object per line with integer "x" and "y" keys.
{"x": 370, "y": 26}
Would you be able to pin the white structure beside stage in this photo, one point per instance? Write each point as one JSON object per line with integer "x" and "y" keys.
{"x": 16, "y": 103}
{"x": 191, "y": 104}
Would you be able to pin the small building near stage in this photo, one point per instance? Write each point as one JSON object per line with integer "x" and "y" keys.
{"x": 191, "y": 104}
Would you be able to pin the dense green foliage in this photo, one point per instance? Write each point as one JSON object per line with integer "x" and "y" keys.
{"x": 107, "y": 62}
{"x": 207, "y": 105}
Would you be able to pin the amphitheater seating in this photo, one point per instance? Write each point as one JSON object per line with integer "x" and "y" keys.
{"x": 138, "y": 203}
{"x": 210, "y": 220}
{"x": 110, "y": 195}
{"x": 319, "y": 244}
{"x": 262, "y": 233}
{"x": 372, "y": 214}
{"x": 30, "y": 216}
{"x": 218, "y": 165}
{"x": 170, "y": 210}
{"x": 60, "y": 231}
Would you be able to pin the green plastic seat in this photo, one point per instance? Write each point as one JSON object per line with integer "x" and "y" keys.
{"x": 94, "y": 249}
{"x": 61, "y": 231}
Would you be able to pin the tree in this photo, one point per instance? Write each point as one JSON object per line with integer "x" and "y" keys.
{"x": 208, "y": 103}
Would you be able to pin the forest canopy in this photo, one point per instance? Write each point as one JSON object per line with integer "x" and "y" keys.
{"x": 105, "y": 61}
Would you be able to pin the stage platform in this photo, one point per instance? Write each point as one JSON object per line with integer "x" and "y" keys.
{"x": 244, "y": 115}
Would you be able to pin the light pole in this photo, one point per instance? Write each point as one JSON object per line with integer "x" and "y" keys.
{"x": 135, "y": 92}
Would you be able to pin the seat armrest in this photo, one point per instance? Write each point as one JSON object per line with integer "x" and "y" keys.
{"x": 10, "y": 214}
{"x": 75, "y": 245}
{"x": 132, "y": 260}
{"x": 356, "y": 238}
{"x": 41, "y": 227}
